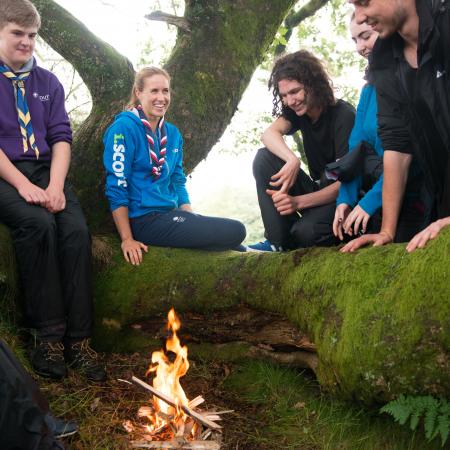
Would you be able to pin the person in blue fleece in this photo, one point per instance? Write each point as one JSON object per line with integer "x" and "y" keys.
{"x": 145, "y": 182}
{"x": 346, "y": 219}
{"x": 353, "y": 211}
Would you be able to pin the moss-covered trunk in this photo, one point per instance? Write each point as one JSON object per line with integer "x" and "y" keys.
{"x": 380, "y": 318}
{"x": 213, "y": 64}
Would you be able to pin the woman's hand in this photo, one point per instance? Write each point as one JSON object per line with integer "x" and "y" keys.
{"x": 286, "y": 176}
{"x": 355, "y": 221}
{"x": 133, "y": 251}
{"x": 381, "y": 238}
{"x": 342, "y": 211}
{"x": 186, "y": 207}
{"x": 430, "y": 232}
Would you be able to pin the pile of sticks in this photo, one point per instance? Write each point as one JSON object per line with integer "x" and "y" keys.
{"x": 206, "y": 420}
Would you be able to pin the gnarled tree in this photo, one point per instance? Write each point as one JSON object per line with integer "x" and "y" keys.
{"x": 219, "y": 45}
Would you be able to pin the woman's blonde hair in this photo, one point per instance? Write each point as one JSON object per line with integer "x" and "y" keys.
{"x": 139, "y": 81}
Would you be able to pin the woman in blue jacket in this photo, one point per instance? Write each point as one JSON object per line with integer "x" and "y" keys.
{"x": 353, "y": 212}
{"x": 145, "y": 182}
{"x": 346, "y": 219}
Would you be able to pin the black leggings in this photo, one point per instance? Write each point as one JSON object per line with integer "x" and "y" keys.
{"x": 182, "y": 229}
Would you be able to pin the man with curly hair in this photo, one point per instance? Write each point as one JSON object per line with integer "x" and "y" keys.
{"x": 297, "y": 209}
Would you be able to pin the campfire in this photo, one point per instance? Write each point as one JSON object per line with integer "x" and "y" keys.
{"x": 171, "y": 420}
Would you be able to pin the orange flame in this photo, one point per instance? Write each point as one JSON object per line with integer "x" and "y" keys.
{"x": 167, "y": 379}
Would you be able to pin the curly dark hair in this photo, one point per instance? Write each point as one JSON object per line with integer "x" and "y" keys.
{"x": 308, "y": 70}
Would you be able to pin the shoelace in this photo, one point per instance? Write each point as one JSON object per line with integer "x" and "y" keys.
{"x": 54, "y": 350}
{"x": 85, "y": 351}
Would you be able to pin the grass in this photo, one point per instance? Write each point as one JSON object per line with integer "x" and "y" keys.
{"x": 275, "y": 408}
{"x": 294, "y": 414}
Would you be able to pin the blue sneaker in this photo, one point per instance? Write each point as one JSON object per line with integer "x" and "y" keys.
{"x": 264, "y": 246}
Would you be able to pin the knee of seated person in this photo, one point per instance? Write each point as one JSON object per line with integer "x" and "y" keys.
{"x": 304, "y": 234}
{"x": 260, "y": 160}
{"x": 77, "y": 232}
{"x": 41, "y": 223}
{"x": 241, "y": 231}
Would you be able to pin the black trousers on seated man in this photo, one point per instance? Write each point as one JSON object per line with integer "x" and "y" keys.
{"x": 53, "y": 254}
{"x": 313, "y": 227}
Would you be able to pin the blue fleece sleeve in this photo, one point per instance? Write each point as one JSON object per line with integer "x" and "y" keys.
{"x": 372, "y": 201}
{"x": 178, "y": 178}
{"x": 118, "y": 157}
{"x": 349, "y": 192}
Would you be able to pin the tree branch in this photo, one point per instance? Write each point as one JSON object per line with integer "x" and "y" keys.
{"x": 97, "y": 62}
{"x": 180, "y": 22}
{"x": 296, "y": 17}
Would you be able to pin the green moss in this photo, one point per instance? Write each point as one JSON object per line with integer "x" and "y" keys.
{"x": 380, "y": 317}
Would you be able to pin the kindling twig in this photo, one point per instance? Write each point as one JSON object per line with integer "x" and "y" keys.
{"x": 196, "y": 416}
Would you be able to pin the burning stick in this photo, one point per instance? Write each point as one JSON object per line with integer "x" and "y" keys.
{"x": 198, "y": 417}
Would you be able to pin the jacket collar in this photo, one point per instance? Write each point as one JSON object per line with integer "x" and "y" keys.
{"x": 27, "y": 67}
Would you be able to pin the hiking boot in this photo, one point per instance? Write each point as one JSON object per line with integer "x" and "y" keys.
{"x": 80, "y": 356}
{"x": 47, "y": 360}
{"x": 265, "y": 246}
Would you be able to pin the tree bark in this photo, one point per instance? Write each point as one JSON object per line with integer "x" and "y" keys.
{"x": 210, "y": 67}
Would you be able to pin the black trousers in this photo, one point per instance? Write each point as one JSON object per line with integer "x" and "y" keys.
{"x": 314, "y": 227}
{"x": 182, "y": 229}
{"x": 53, "y": 253}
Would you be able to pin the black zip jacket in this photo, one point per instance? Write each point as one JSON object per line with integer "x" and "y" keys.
{"x": 418, "y": 122}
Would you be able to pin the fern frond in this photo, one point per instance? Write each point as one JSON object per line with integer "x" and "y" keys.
{"x": 431, "y": 415}
{"x": 436, "y": 414}
{"x": 443, "y": 421}
{"x": 400, "y": 409}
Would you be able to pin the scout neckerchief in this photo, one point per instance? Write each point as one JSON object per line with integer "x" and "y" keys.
{"x": 23, "y": 113}
{"x": 157, "y": 162}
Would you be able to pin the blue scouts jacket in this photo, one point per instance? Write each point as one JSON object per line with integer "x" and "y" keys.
{"x": 129, "y": 181}
{"x": 365, "y": 129}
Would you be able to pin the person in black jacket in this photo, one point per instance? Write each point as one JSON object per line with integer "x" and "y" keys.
{"x": 410, "y": 69}
{"x": 303, "y": 100}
